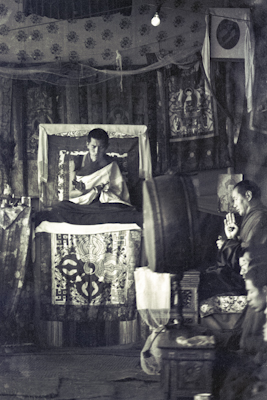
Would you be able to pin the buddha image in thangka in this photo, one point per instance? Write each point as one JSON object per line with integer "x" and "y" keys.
{"x": 190, "y": 113}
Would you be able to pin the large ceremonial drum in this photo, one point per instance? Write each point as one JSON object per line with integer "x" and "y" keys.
{"x": 170, "y": 223}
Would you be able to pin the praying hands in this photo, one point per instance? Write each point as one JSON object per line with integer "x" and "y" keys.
{"x": 230, "y": 226}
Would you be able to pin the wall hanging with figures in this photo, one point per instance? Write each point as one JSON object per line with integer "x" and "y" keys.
{"x": 192, "y": 112}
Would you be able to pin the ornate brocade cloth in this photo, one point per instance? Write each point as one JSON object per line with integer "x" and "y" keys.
{"x": 15, "y": 289}
{"x": 88, "y": 277}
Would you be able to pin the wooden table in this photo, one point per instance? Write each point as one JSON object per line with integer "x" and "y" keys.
{"x": 186, "y": 370}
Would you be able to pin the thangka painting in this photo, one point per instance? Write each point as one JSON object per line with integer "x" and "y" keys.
{"x": 226, "y": 183}
{"x": 191, "y": 108}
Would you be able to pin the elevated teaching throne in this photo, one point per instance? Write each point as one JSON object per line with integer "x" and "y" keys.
{"x": 84, "y": 274}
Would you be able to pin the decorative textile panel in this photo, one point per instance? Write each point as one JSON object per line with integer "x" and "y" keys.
{"x": 15, "y": 297}
{"x": 89, "y": 276}
{"x": 195, "y": 143}
{"x": 6, "y": 140}
{"x": 241, "y": 15}
{"x": 14, "y": 250}
{"x": 192, "y": 114}
{"x": 192, "y": 118}
{"x": 223, "y": 305}
{"x": 153, "y": 309}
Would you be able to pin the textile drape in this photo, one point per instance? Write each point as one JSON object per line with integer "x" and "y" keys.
{"x": 197, "y": 141}
{"x": 75, "y": 51}
{"x": 154, "y": 309}
{"x": 14, "y": 247}
{"x": 6, "y": 140}
{"x": 192, "y": 111}
{"x": 63, "y": 74}
{"x": 92, "y": 275}
{"x": 249, "y": 49}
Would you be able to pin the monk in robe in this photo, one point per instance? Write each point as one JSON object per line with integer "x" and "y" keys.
{"x": 98, "y": 191}
{"x": 224, "y": 277}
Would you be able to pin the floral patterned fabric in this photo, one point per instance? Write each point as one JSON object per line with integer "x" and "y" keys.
{"x": 109, "y": 40}
{"x": 88, "y": 276}
{"x": 223, "y": 305}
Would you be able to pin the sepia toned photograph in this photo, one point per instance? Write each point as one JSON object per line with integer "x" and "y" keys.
{"x": 133, "y": 200}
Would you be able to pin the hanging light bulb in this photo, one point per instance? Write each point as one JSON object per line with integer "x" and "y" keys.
{"x": 155, "y": 21}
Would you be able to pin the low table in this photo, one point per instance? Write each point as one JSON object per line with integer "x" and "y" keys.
{"x": 186, "y": 364}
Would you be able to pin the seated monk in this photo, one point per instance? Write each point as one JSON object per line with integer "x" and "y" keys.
{"x": 224, "y": 277}
{"x": 96, "y": 172}
{"x": 95, "y": 159}
{"x": 244, "y": 368}
{"x": 251, "y": 255}
{"x": 98, "y": 192}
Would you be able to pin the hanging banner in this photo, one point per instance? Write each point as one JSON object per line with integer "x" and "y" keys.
{"x": 191, "y": 110}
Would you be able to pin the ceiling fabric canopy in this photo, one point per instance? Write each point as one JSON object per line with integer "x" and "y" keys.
{"x": 81, "y": 74}
{"x": 69, "y": 9}
{"x": 89, "y": 50}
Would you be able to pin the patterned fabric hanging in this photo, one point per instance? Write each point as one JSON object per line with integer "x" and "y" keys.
{"x": 196, "y": 140}
{"x": 192, "y": 113}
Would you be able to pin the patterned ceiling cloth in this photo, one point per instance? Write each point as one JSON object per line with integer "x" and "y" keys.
{"x": 79, "y": 48}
